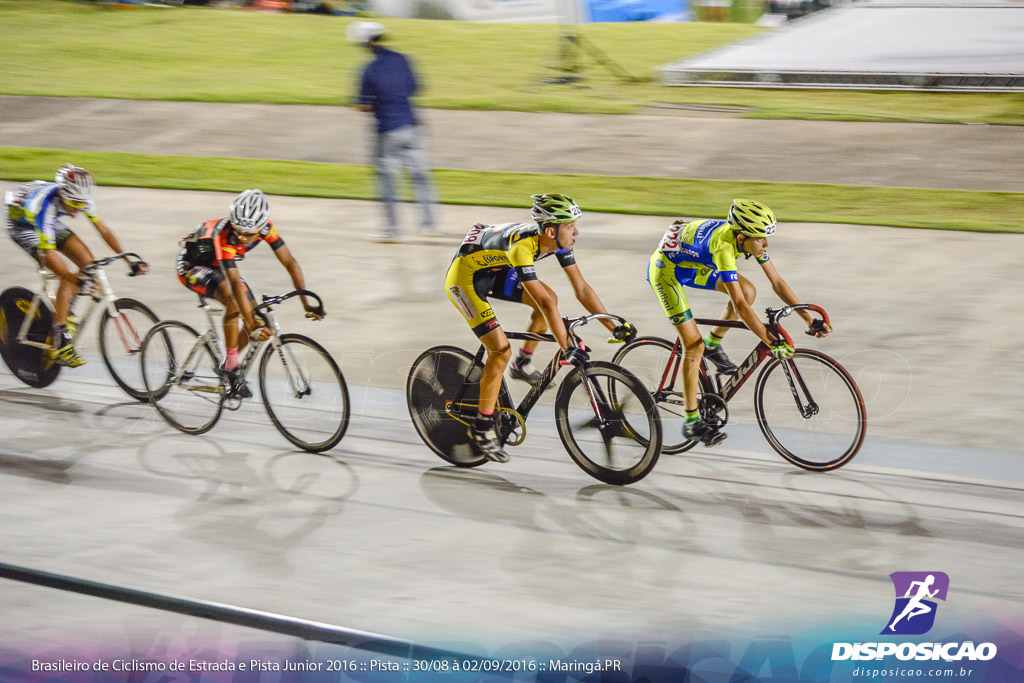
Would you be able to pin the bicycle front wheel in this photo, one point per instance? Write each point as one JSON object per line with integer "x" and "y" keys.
{"x": 810, "y": 410}
{"x": 651, "y": 360}
{"x": 182, "y": 377}
{"x": 304, "y": 393}
{"x": 618, "y": 440}
{"x": 121, "y": 337}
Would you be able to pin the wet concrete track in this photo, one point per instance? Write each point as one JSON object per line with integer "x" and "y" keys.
{"x": 380, "y": 535}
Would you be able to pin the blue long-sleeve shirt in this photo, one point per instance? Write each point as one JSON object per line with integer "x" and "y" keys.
{"x": 387, "y": 84}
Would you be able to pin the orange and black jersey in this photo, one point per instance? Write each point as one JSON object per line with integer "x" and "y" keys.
{"x": 512, "y": 245}
{"x": 214, "y": 243}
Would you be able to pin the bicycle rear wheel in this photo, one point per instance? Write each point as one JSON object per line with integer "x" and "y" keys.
{"x": 30, "y": 364}
{"x": 182, "y": 377}
{"x": 304, "y": 393}
{"x": 810, "y": 410}
{"x": 650, "y": 359}
{"x": 434, "y": 380}
{"x": 121, "y": 338}
{"x": 618, "y": 440}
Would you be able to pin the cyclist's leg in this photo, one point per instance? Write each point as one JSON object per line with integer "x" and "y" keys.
{"x": 71, "y": 246}
{"x": 730, "y": 313}
{"x": 210, "y": 282}
{"x": 467, "y": 291}
{"x": 499, "y": 353}
{"x": 522, "y": 367}
{"x": 538, "y": 323}
{"x": 663, "y": 277}
{"x": 667, "y": 281}
{"x": 709, "y": 278}
{"x": 223, "y": 294}
{"x": 56, "y": 264}
{"x": 63, "y": 345}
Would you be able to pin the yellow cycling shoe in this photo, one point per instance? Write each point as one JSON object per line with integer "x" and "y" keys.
{"x": 67, "y": 357}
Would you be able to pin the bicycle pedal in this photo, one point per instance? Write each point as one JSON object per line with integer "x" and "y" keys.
{"x": 714, "y": 439}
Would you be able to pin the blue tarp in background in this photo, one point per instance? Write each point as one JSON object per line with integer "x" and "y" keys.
{"x": 637, "y": 10}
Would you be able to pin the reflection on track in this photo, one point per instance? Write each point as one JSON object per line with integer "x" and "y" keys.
{"x": 376, "y": 533}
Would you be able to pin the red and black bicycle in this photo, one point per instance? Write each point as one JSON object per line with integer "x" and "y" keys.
{"x": 807, "y": 406}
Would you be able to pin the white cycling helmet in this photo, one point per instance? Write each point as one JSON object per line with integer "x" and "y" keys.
{"x": 74, "y": 183}
{"x": 250, "y": 212}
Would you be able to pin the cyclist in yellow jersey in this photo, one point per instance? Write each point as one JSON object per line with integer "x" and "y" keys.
{"x": 702, "y": 254}
{"x": 498, "y": 261}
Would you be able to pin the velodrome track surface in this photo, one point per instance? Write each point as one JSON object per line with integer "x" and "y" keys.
{"x": 378, "y": 535}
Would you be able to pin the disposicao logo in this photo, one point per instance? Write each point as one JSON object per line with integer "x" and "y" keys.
{"x": 914, "y": 614}
{"x": 916, "y": 592}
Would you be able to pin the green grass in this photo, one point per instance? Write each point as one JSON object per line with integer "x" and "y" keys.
{"x": 196, "y": 54}
{"x": 805, "y": 202}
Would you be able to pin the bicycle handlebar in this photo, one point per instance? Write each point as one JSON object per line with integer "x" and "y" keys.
{"x": 131, "y": 257}
{"x": 269, "y": 301}
{"x": 571, "y": 323}
{"x": 776, "y": 314}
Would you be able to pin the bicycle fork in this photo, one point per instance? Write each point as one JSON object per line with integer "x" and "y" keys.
{"x": 129, "y": 336}
{"x": 298, "y": 379}
{"x": 810, "y": 409}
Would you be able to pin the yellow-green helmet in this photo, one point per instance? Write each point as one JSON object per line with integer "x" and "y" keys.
{"x": 554, "y": 208}
{"x": 753, "y": 219}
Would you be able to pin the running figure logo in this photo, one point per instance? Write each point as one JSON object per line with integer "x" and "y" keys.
{"x": 914, "y": 612}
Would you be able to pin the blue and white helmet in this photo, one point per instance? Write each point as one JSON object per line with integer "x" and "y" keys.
{"x": 250, "y": 212}
{"x": 74, "y": 183}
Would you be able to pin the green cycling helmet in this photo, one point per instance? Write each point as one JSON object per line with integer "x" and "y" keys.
{"x": 751, "y": 218}
{"x": 554, "y": 208}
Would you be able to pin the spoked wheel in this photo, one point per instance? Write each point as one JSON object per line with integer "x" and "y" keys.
{"x": 31, "y": 364}
{"x": 810, "y": 410}
{"x": 182, "y": 377}
{"x": 615, "y": 440}
{"x": 304, "y": 393}
{"x": 434, "y": 380}
{"x": 650, "y": 359}
{"x": 121, "y": 339}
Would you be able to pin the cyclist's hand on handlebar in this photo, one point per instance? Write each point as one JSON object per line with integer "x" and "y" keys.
{"x": 575, "y": 355}
{"x": 138, "y": 268}
{"x": 818, "y": 328}
{"x": 623, "y": 333}
{"x": 780, "y": 349}
{"x": 260, "y": 333}
{"x": 314, "y": 312}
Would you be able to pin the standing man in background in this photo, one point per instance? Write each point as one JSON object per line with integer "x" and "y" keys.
{"x": 385, "y": 88}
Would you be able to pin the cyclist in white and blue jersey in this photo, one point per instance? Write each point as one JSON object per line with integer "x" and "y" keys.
{"x": 702, "y": 254}
{"x": 34, "y": 211}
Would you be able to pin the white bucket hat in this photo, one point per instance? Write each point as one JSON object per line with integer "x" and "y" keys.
{"x": 364, "y": 31}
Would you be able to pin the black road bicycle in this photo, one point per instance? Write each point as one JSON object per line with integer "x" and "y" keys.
{"x": 807, "y": 406}
{"x": 606, "y": 418}
{"x": 26, "y": 322}
{"x": 301, "y": 386}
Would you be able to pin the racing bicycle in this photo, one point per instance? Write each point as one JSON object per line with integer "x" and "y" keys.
{"x": 606, "y": 418}
{"x": 26, "y": 326}
{"x": 301, "y": 386}
{"x": 807, "y": 406}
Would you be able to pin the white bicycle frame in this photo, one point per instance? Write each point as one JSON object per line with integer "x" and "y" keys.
{"x": 47, "y": 297}
{"x": 210, "y": 335}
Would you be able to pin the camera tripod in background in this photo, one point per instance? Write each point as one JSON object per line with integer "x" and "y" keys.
{"x": 572, "y": 47}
